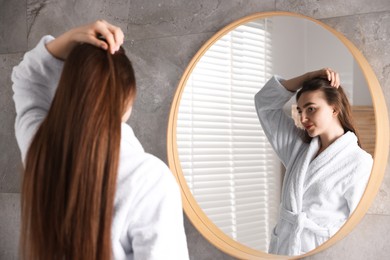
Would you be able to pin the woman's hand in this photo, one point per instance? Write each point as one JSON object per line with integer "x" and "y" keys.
{"x": 296, "y": 83}
{"x": 91, "y": 33}
{"x": 331, "y": 75}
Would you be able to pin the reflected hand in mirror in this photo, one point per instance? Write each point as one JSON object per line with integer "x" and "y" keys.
{"x": 326, "y": 170}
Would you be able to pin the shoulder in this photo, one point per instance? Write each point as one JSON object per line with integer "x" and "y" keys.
{"x": 161, "y": 174}
{"x": 143, "y": 172}
{"x": 362, "y": 158}
{"x": 157, "y": 169}
{"x": 352, "y": 153}
{"x": 360, "y": 164}
{"x": 140, "y": 173}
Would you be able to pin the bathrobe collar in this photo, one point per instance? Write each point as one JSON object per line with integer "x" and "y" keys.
{"x": 349, "y": 138}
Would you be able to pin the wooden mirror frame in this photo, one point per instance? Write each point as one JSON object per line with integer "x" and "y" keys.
{"x": 196, "y": 215}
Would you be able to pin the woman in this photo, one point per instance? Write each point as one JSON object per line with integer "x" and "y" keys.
{"x": 326, "y": 170}
{"x": 89, "y": 189}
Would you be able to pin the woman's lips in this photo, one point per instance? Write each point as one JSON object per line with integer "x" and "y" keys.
{"x": 308, "y": 127}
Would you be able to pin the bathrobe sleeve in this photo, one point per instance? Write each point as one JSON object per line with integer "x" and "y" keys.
{"x": 279, "y": 128}
{"x": 357, "y": 182}
{"x": 35, "y": 81}
{"x": 157, "y": 229}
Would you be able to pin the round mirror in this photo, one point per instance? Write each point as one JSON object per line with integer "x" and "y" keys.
{"x": 230, "y": 177}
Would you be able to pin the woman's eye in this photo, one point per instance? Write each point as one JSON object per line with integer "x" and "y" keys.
{"x": 311, "y": 109}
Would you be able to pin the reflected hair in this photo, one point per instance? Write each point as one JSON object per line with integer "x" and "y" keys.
{"x": 71, "y": 165}
{"x": 335, "y": 97}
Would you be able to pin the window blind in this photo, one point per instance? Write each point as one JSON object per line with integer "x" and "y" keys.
{"x": 225, "y": 156}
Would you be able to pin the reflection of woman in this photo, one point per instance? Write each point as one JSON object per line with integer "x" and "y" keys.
{"x": 326, "y": 170}
{"x": 89, "y": 189}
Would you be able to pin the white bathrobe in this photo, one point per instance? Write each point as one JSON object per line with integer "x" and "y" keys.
{"x": 319, "y": 193}
{"x": 148, "y": 218}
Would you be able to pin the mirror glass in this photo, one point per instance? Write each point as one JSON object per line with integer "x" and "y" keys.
{"x": 227, "y": 161}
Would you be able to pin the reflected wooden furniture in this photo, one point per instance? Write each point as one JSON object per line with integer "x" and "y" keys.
{"x": 364, "y": 117}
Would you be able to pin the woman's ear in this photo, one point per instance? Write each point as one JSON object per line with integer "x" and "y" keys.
{"x": 335, "y": 112}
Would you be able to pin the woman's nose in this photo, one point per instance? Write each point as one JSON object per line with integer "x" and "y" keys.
{"x": 303, "y": 118}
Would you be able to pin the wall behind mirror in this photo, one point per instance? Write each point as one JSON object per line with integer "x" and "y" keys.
{"x": 227, "y": 161}
{"x": 161, "y": 38}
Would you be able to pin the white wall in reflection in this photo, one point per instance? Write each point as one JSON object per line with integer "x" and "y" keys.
{"x": 301, "y": 45}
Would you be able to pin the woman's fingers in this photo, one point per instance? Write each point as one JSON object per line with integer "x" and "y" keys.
{"x": 91, "y": 38}
{"x": 117, "y": 35}
{"x": 328, "y": 76}
{"x": 101, "y": 34}
{"x": 337, "y": 81}
{"x": 112, "y": 34}
{"x": 333, "y": 77}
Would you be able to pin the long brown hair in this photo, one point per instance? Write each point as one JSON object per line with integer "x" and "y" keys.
{"x": 71, "y": 166}
{"x": 334, "y": 97}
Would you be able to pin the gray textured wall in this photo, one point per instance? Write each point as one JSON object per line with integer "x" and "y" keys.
{"x": 162, "y": 36}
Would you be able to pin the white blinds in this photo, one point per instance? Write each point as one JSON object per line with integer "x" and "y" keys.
{"x": 227, "y": 161}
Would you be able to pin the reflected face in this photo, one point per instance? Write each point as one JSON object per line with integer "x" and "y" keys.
{"x": 316, "y": 115}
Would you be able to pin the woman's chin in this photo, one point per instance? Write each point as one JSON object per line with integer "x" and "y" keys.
{"x": 312, "y": 134}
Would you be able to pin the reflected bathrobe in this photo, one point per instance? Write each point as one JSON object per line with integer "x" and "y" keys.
{"x": 148, "y": 218}
{"x": 319, "y": 193}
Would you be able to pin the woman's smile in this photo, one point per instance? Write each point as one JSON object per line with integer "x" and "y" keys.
{"x": 308, "y": 126}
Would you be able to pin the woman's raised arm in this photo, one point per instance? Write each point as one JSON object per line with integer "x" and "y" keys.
{"x": 294, "y": 84}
